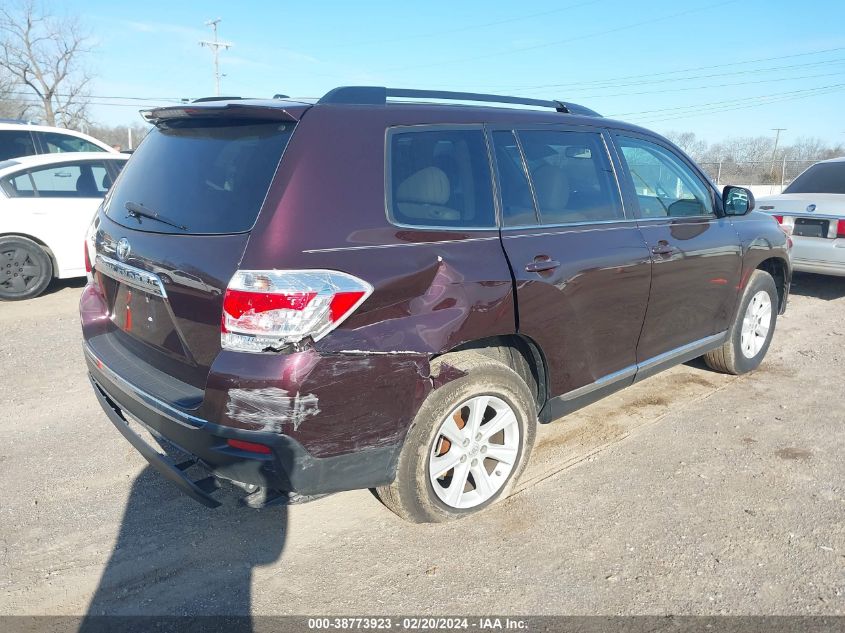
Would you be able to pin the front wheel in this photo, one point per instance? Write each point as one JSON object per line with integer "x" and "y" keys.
{"x": 468, "y": 445}
{"x": 751, "y": 333}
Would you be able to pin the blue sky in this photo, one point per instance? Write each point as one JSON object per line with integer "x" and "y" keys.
{"x": 716, "y": 68}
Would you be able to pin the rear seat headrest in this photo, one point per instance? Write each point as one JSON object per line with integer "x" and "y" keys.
{"x": 551, "y": 186}
{"x": 427, "y": 186}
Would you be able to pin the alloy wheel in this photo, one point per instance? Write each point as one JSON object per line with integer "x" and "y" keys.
{"x": 755, "y": 324}
{"x": 474, "y": 452}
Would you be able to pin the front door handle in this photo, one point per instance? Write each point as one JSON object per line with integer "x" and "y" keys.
{"x": 663, "y": 248}
{"x": 541, "y": 264}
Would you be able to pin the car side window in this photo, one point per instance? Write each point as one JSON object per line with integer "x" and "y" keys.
{"x": 15, "y": 143}
{"x": 18, "y": 186}
{"x": 572, "y": 176}
{"x": 72, "y": 180}
{"x": 440, "y": 178}
{"x": 517, "y": 200}
{"x": 664, "y": 184}
{"x": 55, "y": 143}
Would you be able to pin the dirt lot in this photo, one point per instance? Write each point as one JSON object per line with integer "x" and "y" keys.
{"x": 690, "y": 493}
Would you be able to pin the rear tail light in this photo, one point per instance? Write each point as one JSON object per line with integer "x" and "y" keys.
{"x": 840, "y": 228}
{"x": 271, "y": 308}
{"x": 90, "y": 246}
{"x": 785, "y": 223}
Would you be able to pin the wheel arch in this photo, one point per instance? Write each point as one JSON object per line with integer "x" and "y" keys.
{"x": 779, "y": 270}
{"x": 519, "y": 352}
{"x": 44, "y": 246}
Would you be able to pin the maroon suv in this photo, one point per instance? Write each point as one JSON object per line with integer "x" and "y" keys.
{"x": 363, "y": 293}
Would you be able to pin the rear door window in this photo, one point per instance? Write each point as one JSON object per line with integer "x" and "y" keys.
{"x": 209, "y": 175}
{"x": 19, "y": 186}
{"x": 69, "y": 180}
{"x": 15, "y": 143}
{"x": 440, "y": 178}
{"x": 572, "y": 176}
{"x": 517, "y": 200}
{"x": 56, "y": 142}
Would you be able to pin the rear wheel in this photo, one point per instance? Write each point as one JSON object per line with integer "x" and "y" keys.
{"x": 25, "y": 269}
{"x": 751, "y": 333}
{"x": 468, "y": 445}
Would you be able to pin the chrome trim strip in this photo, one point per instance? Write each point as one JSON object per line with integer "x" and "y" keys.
{"x": 673, "y": 218}
{"x": 373, "y": 246}
{"x": 632, "y": 370}
{"x": 180, "y": 417}
{"x": 604, "y": 381}
{"x": 131, "y": 276}
{"x": 522, "y": 227}
{"x": 680, "y": 351}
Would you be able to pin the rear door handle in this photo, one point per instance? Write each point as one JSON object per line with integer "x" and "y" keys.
{"x": 663, "y": 248}
{"x": 541, "y": 265}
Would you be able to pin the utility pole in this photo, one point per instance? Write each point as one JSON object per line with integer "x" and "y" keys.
{"x": 215, "y": 47}
{"x": 777, "y": 130}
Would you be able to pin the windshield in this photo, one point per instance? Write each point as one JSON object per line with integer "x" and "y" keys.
{"x": 208, "y": 175}
{"x": 820, "y": 178}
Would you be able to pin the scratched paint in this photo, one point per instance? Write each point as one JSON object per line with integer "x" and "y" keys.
{"x": 270, "y": 408}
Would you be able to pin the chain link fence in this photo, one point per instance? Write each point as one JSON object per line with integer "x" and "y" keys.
{"x": 778, "y": 173}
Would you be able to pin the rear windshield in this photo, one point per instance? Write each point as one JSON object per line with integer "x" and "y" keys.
{"x": 203, "y": 176}
{"x": 820, "y": 178}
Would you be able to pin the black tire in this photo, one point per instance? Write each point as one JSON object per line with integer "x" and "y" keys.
{"x": 729, "y": 358}
{"x": 411, "y": 495}
{"x": 25, "y": 269}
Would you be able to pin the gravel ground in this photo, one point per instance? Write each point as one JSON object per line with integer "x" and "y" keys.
{"x": 689, "y": 493}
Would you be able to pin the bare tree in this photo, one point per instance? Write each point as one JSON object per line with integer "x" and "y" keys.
{"x": 42, "y": 54}
{"x": 119, "y": 135}
{"x": 11, "y": 105}
{"x": 688, "y": 142}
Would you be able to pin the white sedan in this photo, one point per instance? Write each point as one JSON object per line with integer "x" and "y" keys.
{"x": 46, "y": 204}
{"x": 812, "y": 210}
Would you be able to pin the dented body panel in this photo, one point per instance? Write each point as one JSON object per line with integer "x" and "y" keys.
{"x": 331, "y": 403}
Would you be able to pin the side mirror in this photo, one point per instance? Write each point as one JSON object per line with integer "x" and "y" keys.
{"x": 737, "y": 200}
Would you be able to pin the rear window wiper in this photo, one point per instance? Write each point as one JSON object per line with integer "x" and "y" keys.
{"x": 139, "y": 211}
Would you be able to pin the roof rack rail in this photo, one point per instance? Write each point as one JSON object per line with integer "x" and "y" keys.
{"x": 377, "y": 95}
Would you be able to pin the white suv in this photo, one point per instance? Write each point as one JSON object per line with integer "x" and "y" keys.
{"x": 22, "y": 139}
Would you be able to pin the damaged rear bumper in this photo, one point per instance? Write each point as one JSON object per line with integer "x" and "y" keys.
{"x": 337, "y": 464}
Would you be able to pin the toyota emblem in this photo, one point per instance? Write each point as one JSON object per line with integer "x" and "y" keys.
{"x": 123, "y": 249}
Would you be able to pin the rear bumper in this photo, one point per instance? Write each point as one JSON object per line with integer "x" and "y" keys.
{"x": 289, "y": 467}
{"x": 818, "y": 255}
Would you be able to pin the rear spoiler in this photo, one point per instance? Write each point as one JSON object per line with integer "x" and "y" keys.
{"x": 226, "y": 109}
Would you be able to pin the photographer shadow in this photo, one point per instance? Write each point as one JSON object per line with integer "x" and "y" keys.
{"x": 175, "y": 557}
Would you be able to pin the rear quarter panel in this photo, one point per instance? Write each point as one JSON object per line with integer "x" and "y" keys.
{"x": 433, "y": 289}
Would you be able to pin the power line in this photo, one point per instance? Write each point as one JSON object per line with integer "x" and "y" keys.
{"x": 116, "y": 97}
{"x": 712, "y": 75}
{"x": 470, "y": 27}
{"x": 709, "y": 86}
{"x": 735, "y": 104}
{"x": 724, "y": 101}
{"x": 564, "y": 41}
{"x": 613, "y": 80}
